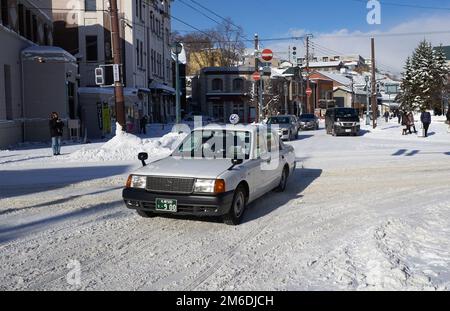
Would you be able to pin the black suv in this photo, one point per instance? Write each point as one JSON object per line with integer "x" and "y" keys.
{"x": 342, "y": 121}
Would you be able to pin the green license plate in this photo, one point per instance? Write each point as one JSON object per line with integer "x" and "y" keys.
{"x": 165, "y": 205}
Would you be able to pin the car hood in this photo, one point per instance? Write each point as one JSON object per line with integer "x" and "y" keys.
{"x": 182, "y": 167}
{"x": 284, "y": 126}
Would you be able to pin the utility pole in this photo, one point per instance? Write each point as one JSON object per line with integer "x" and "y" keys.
{"x": 256, "y": 84}
{"x": 374, "y": 88}
{"x": 116, "y": 43}
{"x": 308, "y": 98}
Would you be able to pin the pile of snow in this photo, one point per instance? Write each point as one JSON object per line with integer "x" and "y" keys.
{"x": 126, "y": 147}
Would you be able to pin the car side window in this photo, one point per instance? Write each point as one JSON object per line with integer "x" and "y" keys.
{"x": 272, "y": 144}
{"x": 261, "y": 145}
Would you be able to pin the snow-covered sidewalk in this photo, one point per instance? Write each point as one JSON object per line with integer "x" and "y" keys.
{"x": 439, "y": 131}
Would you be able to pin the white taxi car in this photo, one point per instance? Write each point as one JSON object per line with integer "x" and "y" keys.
{"x": 216, "y": 171}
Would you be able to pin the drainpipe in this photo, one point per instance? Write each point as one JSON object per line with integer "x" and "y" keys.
{"x": 23, "y": 97}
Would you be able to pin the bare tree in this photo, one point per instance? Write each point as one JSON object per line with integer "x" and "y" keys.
{"x": 221, "y": 46}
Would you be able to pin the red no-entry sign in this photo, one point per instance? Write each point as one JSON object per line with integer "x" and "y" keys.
{"x": 308, "y": 92}
{"x": 267, "y": 55}
{"x": 256, "y": 76}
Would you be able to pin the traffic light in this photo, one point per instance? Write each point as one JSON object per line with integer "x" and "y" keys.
{"x": 294, "y": 56}
{"x": 99, "y": 76}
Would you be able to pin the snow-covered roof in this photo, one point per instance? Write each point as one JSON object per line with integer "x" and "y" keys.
{"x": 340, "y": 78}
{"x": 324, "y": 64}
{"x": 48, "y": 53}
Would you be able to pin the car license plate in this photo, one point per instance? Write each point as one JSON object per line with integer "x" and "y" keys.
{"x": 348, "y": 131}
{"x": 166, "y": 205}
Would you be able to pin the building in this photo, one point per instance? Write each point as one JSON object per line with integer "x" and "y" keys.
{"x": 222, "y": 91}
{"x": 35, "y": 79}
{"x": 147, "y": 68}
{"x": 346, "y": 90}
{"x": 330, "y": 66}
{"x": 336, "y": 62}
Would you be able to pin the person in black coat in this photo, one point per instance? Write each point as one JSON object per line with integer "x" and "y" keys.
{"x": 425, "y": 117}
{"x": 56, "y": 132}
{"x": 144, "y": 121}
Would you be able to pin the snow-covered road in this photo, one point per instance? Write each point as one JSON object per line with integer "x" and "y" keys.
{"x": 364, "y": 213}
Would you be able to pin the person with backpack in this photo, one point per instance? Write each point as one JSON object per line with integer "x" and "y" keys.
{"x": 56, "y": 126}
{"x": 425, "y": 117}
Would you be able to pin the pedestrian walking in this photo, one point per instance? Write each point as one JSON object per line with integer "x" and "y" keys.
{"x": 406, "y": 123}
{"x": 412, "y": 123}
{"x": 448, "y": 116}
{"x": 425, "y": 117}
{"x": 386, "y": 116}
{"x": 143, "y": 128}
{"x": 399, "y": 116}
{"x": 56, "y": 126}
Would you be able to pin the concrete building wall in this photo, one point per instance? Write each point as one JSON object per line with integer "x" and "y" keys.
{"x": 14, "y": 39}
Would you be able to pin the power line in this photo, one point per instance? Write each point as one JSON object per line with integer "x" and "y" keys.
{"x": 219, "y": 16}
{"x": 414, "y": 6}
{"x": 238, "y": 28}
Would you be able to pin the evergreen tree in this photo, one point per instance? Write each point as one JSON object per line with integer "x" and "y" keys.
{"x": 423, "y": 79}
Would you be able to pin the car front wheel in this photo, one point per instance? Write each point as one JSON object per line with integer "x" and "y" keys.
{"x": 283, "y": 181}
{"x": 234, "y": 216}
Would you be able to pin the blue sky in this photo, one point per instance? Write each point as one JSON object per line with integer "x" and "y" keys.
{"x": 324, "y": 17}
{"x": 274, "y": 18}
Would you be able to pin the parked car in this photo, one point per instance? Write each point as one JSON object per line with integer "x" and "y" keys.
{"x": 206, "y": 177}
{"x": 288, "y": 126}
{"x": 342, "y": 121}
{"x": 308, "y": 122}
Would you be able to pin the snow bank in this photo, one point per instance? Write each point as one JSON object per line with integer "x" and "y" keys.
{"x": 126, "y": 147}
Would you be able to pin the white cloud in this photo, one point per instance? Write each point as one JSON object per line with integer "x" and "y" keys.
{"x": 391, "y": 50}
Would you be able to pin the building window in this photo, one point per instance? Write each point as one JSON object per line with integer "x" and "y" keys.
{"x": 35, "y": 29}
{"x": 325, "y": 59}
{"x": 21, "y": 20}
{"x": 4, "y": 12}
{"x": 238, "y": 85}
{"x": 217, "y": 85}
{"x": 90, "y": 5}
{"x": 8, "y": 92}
{"x": 141, "y": 55}
{"x": 45, "y": 34}
{"x": 152, "y": 21}
{"x": 137, "y": 54}
{"x": 29, "y": 30}
{"x": 91, "y": 49}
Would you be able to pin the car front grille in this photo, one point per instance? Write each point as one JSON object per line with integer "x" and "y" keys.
{"x": 348, "y": 124}
{"x": 170, "y": 184}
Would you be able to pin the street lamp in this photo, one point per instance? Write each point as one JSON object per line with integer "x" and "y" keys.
{"x": 177, "y": 48}
{"x": 368, "y": 101}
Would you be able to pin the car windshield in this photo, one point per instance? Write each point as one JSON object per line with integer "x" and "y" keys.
{"x": 346, "y": 113}
{"x": 216, "y": 144}
{"x": 279, "y": 120}
{"x": 307, "y": 117}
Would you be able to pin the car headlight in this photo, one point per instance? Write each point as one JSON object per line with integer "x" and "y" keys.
{"x": 338, "y": 123}
{"x": 209, "y": 186}
{"x": 136, "y": 181}
{"x": 357, "y": 124}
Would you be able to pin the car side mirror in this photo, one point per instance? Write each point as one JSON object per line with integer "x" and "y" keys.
{"x": 236, "y": 162}
{"x": 143, "y": 156}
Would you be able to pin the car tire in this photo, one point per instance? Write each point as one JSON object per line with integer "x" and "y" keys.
{"x": 145, "y": 214}
{"x": 234, "y": 216}
{"x": 283, "y": 181}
